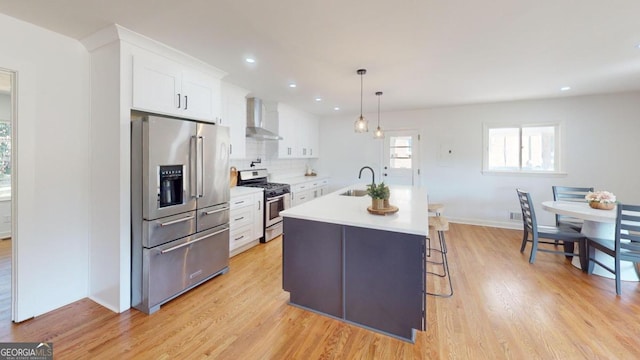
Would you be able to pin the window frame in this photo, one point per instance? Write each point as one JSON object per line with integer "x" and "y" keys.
{"x": 558, "y": 148}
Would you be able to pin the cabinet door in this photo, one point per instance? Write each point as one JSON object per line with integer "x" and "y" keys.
{"x": 286, "y": 128}
{"x": 200, "y": 96}
{"x": 258, "y": 219}
{"x": 301, "y": 197}
{"x": 234, "y": 115}
{"x": 156, "y": 83}
{"x": 313, "y": 138}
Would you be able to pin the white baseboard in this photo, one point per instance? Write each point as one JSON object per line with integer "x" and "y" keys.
{"x": 5, "y": 235}
{"x": 514, "y": 225}
{"x": 103, "y": 303}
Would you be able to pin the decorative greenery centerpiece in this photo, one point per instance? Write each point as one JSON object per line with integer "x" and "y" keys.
{"x": 602, "y": 200}
{"x": 379, "y": 195}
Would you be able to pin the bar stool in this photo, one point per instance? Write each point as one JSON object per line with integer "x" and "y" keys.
{"x": 439, "y": 224}
{"x": 435, "y": 208}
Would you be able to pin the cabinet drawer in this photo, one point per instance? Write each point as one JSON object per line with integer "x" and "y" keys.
{"x": 240, "y": 201}
{"x": 240, "y": 236}
{"x": 178, "y": 265}
{"x": 160, "y": 231}
{"x": 241, "y": 216}
{"x": 301, "y": 187}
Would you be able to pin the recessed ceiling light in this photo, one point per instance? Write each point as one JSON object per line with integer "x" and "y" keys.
{"x": 292, "y": 85}
{"x": 250, "y": 60}
{"x": 565, "y": 88}
{"x": 336, "y": 108}
{"x": 318, "y": 99}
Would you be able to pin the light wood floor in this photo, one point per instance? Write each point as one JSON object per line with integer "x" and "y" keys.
{"x": 503, "y": 308}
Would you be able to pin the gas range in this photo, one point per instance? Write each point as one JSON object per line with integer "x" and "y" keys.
{"x": 277, "y": 198}
{"x": 272, "y": 189}
{"x": 258, "y": 178}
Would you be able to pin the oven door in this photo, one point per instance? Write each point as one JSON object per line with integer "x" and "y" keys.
{"x": 273, "y": 208}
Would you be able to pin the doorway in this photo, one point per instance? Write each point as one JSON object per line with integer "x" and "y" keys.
{"x": 7, "y": 101}
{"x": 400, "y": 157}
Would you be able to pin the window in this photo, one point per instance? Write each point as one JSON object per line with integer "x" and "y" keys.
{"x": 522, "y": 148}
{"x": 400, "y": 152}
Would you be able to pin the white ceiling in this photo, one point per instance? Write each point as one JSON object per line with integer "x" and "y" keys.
{"x": 420, "y": 53}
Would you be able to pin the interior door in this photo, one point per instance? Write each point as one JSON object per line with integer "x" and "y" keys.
{"x": 400, "y": 157}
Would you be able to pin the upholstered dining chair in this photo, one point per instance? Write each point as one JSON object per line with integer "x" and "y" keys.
{"x": 625, "y": 246}
{"x": 569, "y": 193}
{"x": 567, "y": 236}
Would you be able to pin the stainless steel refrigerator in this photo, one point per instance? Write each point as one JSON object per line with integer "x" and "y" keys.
{"x": 179, "y": 207}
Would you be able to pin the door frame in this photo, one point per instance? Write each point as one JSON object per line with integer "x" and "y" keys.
{"x": 13, "y": 74}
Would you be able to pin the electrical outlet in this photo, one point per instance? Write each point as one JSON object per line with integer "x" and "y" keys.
{"x": 515, "y": 216}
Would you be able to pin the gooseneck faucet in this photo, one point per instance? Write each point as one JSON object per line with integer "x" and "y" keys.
{"x": 373, "y": 175}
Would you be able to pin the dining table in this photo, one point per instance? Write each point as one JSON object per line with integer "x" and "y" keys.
{"x": 596, "y": 223}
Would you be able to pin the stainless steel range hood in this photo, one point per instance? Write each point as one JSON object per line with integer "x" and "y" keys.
{"x": 254, "y": 122}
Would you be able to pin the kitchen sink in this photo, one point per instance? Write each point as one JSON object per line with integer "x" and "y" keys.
{"x": 354, "y": 192}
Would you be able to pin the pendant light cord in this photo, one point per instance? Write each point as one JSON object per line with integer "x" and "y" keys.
{"x": 361, "y": 95}
{"x": 378, "y": 111}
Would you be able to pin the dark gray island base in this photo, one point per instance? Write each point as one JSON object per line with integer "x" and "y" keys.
{"x": 368, "y": 277}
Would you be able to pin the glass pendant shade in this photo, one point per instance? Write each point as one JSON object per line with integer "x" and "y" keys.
{"x": 361, "y": 125}
{"x": 378, "y": 134}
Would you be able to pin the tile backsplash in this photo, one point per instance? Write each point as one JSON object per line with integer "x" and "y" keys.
{"x": 268, "y": 153}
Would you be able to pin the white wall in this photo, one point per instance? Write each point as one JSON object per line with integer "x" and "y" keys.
{"x": 600, "y": 148}
{"x": 52, "y": 149}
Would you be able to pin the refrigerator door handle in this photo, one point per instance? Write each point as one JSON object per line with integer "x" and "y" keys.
{"x": 193, "y": 171}
{"x": 201, "y": 178}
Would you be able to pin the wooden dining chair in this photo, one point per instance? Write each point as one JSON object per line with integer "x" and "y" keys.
{"x": 566, "y": 237}
{"x": 625, "y": 246}
{"x": 569, "y": 193}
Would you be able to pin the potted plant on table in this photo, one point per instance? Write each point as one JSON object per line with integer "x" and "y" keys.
{"x": 602, "y": 200}
{"x": 379, "y": 195}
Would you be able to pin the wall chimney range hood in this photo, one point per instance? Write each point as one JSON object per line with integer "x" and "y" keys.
{"x": 254, "y": 122}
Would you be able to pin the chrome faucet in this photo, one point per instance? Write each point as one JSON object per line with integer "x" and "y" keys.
{"x": 373, "y": 175}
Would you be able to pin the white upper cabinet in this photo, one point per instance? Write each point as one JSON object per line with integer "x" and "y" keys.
{"x": 163, "y": 86}
{"x": 298, "y": 129}
{"x": 308, "y": 140}
{"x": 234, "y": 115}
{"x": 288, "y": 146}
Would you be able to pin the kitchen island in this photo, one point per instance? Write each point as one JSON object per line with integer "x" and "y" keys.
{"x": 339, "y": 260}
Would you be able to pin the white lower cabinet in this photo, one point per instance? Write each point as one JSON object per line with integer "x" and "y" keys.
{"x": 246, "y": 221}
{"x": 302, "y": 192}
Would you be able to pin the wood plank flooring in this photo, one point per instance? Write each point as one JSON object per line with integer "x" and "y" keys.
{"x": 503, "y": 308}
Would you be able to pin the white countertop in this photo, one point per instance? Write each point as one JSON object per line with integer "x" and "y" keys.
{"x": 244, "y": 190}
{"x": 294, "y": 180}
{"x": 334, "y": 208}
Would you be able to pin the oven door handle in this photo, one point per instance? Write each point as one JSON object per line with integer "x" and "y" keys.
{"x": 274, "y": 199}
{"x": 193, "y": 242}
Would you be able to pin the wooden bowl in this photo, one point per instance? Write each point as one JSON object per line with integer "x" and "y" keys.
{"x": 601, "y": 205}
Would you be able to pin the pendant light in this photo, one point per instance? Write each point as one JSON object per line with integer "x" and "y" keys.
{"x": 378, "y": 134}
{"x": 361, "y": 125}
